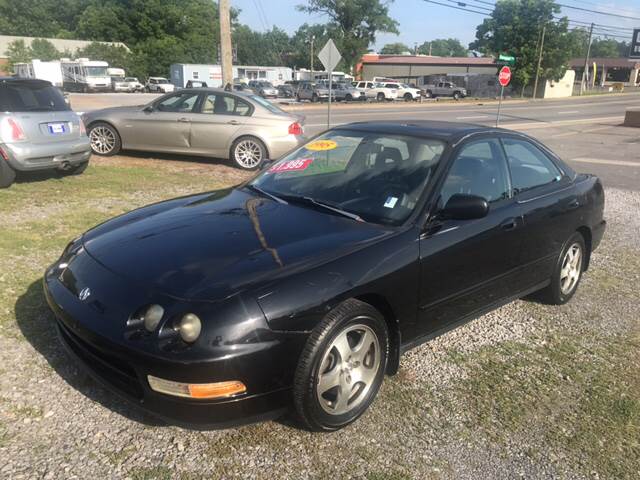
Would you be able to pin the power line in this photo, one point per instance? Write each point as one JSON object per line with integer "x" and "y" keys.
{"x": 599, "y": 13}
{"x": 617, "y": 10}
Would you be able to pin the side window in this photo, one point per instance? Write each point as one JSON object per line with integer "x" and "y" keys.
{"x": 478, "y": 169}
{"x": 224, "y": 105}
{"x": 182, "y": 102}
{"x": 530, "y": 167}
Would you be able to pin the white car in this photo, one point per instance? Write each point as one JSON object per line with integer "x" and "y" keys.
{"x": 404, "y": 91}
{"x": 134, "y": 84}
{"x": 376, "y": 91}
{"x": 159, "y": 85}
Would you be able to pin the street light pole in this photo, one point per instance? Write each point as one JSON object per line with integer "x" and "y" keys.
{"x": 225, "y": 43}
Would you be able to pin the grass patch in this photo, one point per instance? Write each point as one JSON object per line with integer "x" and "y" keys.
{"x": 581, "y": 400}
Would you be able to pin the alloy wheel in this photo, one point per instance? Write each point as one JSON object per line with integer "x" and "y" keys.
{"x": 248, "y": 153}
{"x": 348, "y": 369}
{"x": 571, "y": 268}
{"x": 103, "y": 140}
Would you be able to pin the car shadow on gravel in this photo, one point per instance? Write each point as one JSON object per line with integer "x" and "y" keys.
{"x": 175, "y": 157}
{"x": 37, "y": 324}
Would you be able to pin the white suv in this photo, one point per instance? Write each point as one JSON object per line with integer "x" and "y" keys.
{"x": 404, "y": 91}
{"x": 376, "y": 91}
{"x": 159, "y": 85}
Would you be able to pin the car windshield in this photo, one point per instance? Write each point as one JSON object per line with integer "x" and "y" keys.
{"x": 267, "y": 104}
{"x": 266, "y": 84}
{"x": 162, "y": 80}
{"x": 131, "y": 79}
{"x": 31, "y": 97}
{"x": 377, "y": 176}
{"x": 96, "y": 71}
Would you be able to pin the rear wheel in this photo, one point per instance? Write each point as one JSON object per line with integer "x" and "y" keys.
{"x": 341, "y": 367}
{"x": 314, "y": 98}
{"x": 567, "y": 273}
{"x": 248, "y": 153}
{"x": 348, "y": 98}
{"x": 429, "y": 94}
{"x": 380, "y": 97}
{"x": 7, "y": 174}
{"x": 105, "y": 139}
{"x": 456, "y": 95}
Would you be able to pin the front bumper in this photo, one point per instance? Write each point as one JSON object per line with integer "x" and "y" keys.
{"x": 25, "y": 156}
{"x": 123, "y": 369}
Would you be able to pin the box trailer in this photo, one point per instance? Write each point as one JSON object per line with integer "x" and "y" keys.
{"x": 49, "y": 71}
{"x": 211, "y": 75}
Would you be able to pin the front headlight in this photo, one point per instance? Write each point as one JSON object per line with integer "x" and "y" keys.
{"x": 189, "y": 327}
{"x": 152, "y": 317}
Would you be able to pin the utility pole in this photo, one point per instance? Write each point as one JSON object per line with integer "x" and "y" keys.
{"x": 313, "y": 37}
{"x": 535, "y": 84}
{"x": 586, "y": 62}
{"x": 225, "y": 43}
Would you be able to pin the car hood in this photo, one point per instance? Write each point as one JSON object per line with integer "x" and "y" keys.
{"x": 110, "y": 111}
{"x": 213, "y": 246}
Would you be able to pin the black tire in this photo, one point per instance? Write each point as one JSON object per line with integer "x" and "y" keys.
{"x": 408, "y": 97}
{"x": 456, "y": 95}
{"x": 351, "y": 314}
{"x": 348, "y": 98}
{"x": 429, "y": 94}
{"x": 110, "y": 133}
{"x": 314, "y": 98}
{"x": 236, "y": 156}
{"x": 380, "y": 97}
{"x": 7, "y": 174}
{"x": 554, "y": 294}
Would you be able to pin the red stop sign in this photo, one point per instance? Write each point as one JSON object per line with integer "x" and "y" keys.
{"x": 504, "y": 77}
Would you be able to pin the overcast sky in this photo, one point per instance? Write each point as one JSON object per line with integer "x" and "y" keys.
{"x": 421, "y": 21}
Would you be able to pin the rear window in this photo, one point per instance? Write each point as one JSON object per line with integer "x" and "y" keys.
{"x": 30, "y": 97}
{"x": 267, "y": 104}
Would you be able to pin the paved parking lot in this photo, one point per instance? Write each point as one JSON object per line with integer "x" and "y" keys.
{"x": 527, "y": 391}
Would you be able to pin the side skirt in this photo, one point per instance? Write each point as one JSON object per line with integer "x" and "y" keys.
{"x": 472, "y": 316}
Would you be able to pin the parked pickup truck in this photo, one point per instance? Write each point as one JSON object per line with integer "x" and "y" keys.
{"x": 444, "y": 89}
{"x": 376, "y": 91}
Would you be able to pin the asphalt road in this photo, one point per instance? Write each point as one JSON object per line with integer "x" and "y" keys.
{"x": 585, "y": 131}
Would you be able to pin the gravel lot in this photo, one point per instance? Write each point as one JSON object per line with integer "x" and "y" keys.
{"x": 528, "y": 391}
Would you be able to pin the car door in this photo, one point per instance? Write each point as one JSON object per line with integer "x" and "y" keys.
{"x": 468, "y": 265}
{"x": 164, "y": 126}
{"x": 548, "y": 202}
{"x": 220, "y": 116}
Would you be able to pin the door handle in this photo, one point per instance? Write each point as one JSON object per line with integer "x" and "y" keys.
{"x": 184, "y": 120}
{"x": 233, "y": 122}
{"x": 509, "y": 224}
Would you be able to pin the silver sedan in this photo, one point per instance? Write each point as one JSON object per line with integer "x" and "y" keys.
{"x": 201, "y": 121}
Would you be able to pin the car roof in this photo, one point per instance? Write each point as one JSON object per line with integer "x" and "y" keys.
{"x": 33, "y": 81}
{"x": 447, "y": 131}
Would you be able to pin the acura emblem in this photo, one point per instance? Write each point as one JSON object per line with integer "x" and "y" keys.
{"x": 84, "y": 293}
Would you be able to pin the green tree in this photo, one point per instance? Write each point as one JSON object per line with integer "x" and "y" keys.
{"x": 397, "y": 48}
{"x": 356, "y": 23}
{"x": 18, "y": 52}
{"x": 515, "y": 27}
{"x": 443, "y": 47}
{"x": 300, "y": 45}
{"x": 44, "y": 50}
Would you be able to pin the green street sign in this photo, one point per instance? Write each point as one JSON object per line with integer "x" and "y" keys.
{"x": 506, "y": 60}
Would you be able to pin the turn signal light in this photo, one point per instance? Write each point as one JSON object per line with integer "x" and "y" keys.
{"x": 295, "y": 129}
{"x": 197, "y": 390}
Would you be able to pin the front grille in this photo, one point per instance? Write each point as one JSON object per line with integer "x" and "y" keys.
{"x": 111, "y": 369}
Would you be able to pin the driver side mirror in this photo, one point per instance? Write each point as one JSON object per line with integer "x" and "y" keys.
{"x": 148, "y": 109}
{"x": 465, "y": 207}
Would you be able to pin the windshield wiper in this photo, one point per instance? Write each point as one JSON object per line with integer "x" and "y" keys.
{"x": 326, "y": 206}
{"x": 265, "y": 193}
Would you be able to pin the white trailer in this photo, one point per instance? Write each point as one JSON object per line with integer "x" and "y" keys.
{"x": 211, "y": 75}
{"x": 49, "y": 71}
{"x": 84, "y": 75}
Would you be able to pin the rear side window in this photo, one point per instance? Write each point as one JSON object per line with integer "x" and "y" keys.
{"x": 530, "y": 167}
{"x": 30, "y": 97}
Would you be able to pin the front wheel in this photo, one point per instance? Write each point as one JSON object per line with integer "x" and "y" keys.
{"x": 248, "y": 153}
{"x": 456, "y": 95}
{"x": 408, "y": 97}
{"x": 105, "y": 139}
{"x": 341, "y": 367}
{"x": 567, "y": 273}
{"x": 380, "y": 97}
{"x": 429, "y": 94}
{"x": 348, "y": 98}
{"x": 314, "y": 98}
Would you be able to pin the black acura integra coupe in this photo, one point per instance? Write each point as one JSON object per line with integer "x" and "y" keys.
{"x": 301, "y": 288}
